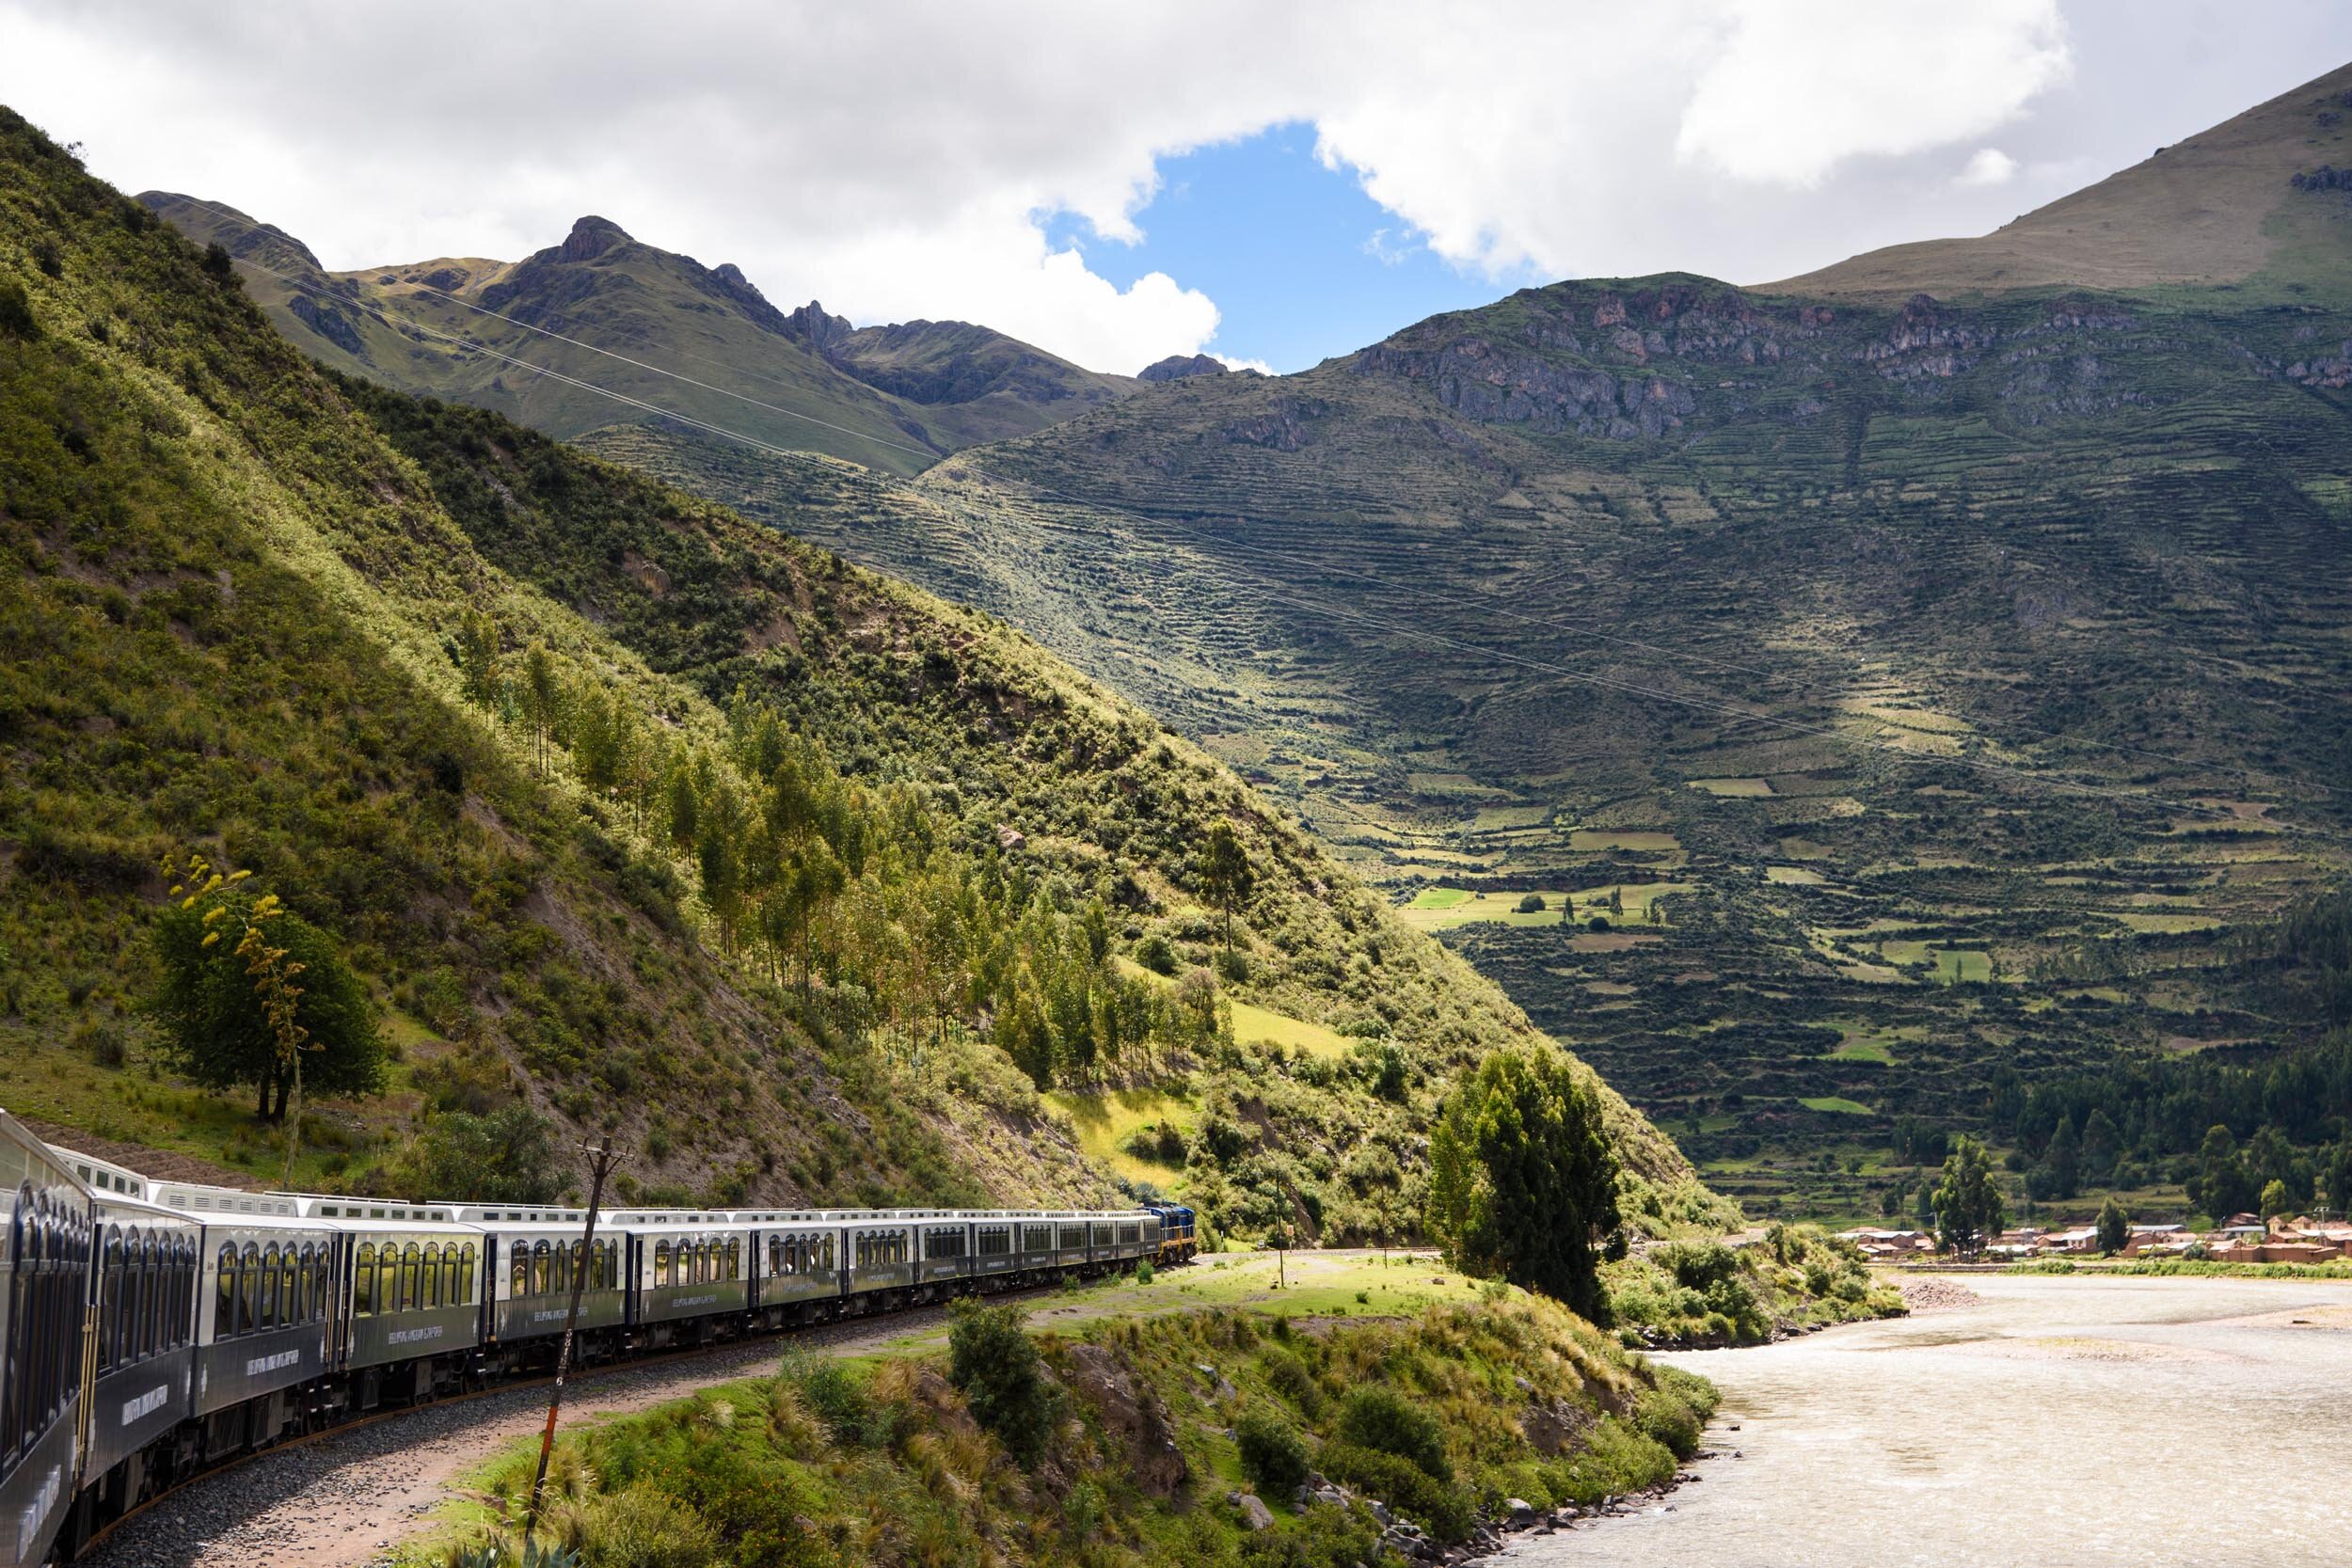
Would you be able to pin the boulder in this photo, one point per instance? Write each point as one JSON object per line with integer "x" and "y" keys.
{"x": 1254, "y": 1512}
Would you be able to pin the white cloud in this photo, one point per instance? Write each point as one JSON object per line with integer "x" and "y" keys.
{"x": 1230, "y": 363}
{"x": 900, "y": 159}
{"x": 1989, "y": 166}
{"x": 1796, "y": 89}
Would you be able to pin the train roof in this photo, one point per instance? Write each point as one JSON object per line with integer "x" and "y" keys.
{"x": 103, "y": 1176}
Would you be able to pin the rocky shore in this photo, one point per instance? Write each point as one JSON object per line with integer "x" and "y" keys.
{"x": 1519, "y": 1520}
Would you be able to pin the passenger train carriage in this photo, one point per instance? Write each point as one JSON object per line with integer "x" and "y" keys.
{"x": 150, "y": 1329}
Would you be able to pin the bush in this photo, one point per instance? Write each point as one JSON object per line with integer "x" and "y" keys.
{"x": 642, "y": 1529}
{"x": 505, "y": 1157}
{"x": 837, "y": 1395}
{"x": 1155, "y": 953}
{"x": 1532, "y": 904}
{"x": 1272, "y": 1456}
{"x": 1378, "y": 1418}
{"x": 1443, "y": 1510}
{"x": 16, "y": 312}
{"x": 991, "y": 1358}
{"x": 1674, "y": 1410}
{"x": 1289, "y": 1377}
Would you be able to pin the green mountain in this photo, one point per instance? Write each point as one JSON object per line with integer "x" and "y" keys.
{"x": 1930, "y": 692}
{"x": 894, "y": 398}
{"x": 630, "y": 814}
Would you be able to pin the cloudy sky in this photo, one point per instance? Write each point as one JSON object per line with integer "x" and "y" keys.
{"x": 1119, "y": 181}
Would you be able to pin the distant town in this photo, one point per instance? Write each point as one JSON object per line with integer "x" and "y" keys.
{"x": 2240, "y": 1239}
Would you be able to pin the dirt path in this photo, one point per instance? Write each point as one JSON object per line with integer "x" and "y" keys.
{"x": 343, "y": 1500}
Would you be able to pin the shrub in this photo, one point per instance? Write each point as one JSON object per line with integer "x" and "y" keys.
{"x": 1445, "y": 1510}
{"x": 505, "y": 1157}
{"x": 642, "y": 1529}
{"x": 1532, "y": 904}
{"x": 1272, "y": 1456}
{"x": 1155, "y": 953}
{"x": 836, "y": 1394}
{"x": 16, "y": 312}
{"x": 991, "y": 1358}
{"x": 1289, "y": 1377}
{"x": 1378, "y": 1418}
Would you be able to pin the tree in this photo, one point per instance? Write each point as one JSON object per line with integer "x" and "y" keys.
{"x": 1522, "y": 1181}
{"x": 992, "y": 1360}
{"x": 1969, "y": 1209}
{"x": 1225, "y": 874}
{"x": 2101, "y": 1143}
{"x": 2221, "y": 1185}
{"x": 478, "y": 657}
{"x": 2115, "y": 1227}
{"x": 227, "y": 1023}
{"x": 2065, "y": 1158}
{"x": 2276, "y": 1200}
{"x": 505, "y": 1157}
{"x": 2336, "y": 1172}
{"x": 1532, "y": 903}
{"x": 543, "y": 700}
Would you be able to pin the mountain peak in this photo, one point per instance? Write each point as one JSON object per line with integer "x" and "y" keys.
{"x": 590, "y": 238}
{"x": 1176, "y": 367}
{"x": 820, "y": 331}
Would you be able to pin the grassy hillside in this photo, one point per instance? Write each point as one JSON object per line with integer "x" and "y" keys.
{"x": 2221, "y": 208}
{"x": 1926, "y": 692}
{"x": 891, "y": 397}
{"x": 625, "y": 810}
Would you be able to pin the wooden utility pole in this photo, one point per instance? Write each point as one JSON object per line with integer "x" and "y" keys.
{"x": 600, "y": 1161}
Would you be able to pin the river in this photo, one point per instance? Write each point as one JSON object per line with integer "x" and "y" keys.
{"x": 2058, "y": 1420}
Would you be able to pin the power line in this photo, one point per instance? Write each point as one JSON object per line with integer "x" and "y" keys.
{"x": 1718, "y": 708}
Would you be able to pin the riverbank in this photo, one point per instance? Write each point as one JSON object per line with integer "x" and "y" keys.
{"x": 2088, "y": 1405}
{"x": 1312, "y": 1412}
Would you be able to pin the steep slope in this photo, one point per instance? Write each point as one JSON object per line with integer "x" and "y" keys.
{"x": 624, "y": 808}
{"x": 1938, "y": 690}
{"x": 974, "y": 384}
{"x": 894, "y": 398}
{"x": 2223, "y": 207}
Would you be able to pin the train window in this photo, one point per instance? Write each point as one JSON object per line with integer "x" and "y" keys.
{"x": 363, "y": 1282}
{"x": 1131, "y": 1233}
{"x": 265, "y": 1289}
{"x": 287, "y": 1281}
{"x": 431, "y": 1278}
{"x": 777, "y": 1246}
{"x": 518, "y": 1270}
{"x": 388, "y": 1277}
{"x": 735, "y": 1257}
{"x": 249, "y": 1288}
{"x": 411, "y": 1286}
{"x": 49, "y": 1257}
{"x": 110, "y": 1298}
{"x": 465, "y": 1274}
{"x": 539, "y": 1279}
{"x": 662, "y": 1262}
{"x": 157, "y": 1279}
{"x": 995, "y": 1241}
{"x": 1037, "y": 1238}
{"x": 1073, "y": 1237}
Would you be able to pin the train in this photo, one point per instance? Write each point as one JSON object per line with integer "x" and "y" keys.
{"x": 153, "y": 1329}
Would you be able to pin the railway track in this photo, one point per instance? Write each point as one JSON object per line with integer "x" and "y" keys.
{"x": 343, "y": 1497}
